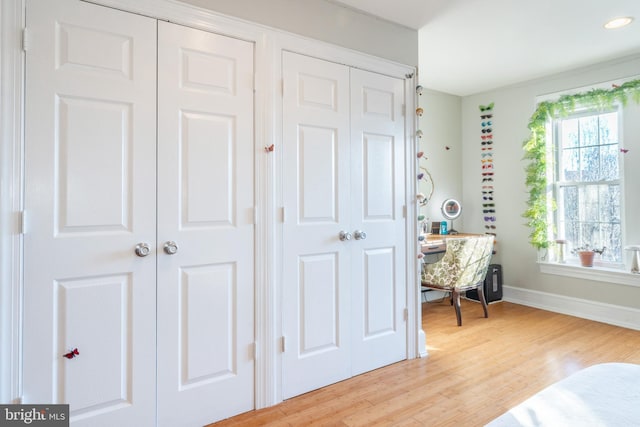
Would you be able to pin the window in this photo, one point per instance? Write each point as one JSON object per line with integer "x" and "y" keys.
{"x": 587, "y": 182}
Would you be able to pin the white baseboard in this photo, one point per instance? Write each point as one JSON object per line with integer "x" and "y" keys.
{"x": 600, "y": 312}
{"x": 422, "y": 344}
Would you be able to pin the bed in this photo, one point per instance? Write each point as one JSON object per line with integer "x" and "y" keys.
{"x": 606, "y": 394}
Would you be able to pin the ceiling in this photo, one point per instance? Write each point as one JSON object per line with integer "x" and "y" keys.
{"x": 472, "y": 46}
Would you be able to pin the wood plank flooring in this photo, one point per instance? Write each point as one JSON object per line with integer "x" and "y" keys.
{"x": 473, "y": 373}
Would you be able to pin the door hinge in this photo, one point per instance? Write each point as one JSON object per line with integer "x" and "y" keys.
{"x": 255, "y": 215}
{"x": 406, "y": 314}
{"x": 282, "y": 214}
{"x": 404, "y": 110}
{"x": 25, "y": 39}
{"x": 282, "y": 87}
{"x": 22, "y": 222}
{"x": 283, "y": 347}
{"x": 255, "y": 350}
{"x": 404, "y": 211}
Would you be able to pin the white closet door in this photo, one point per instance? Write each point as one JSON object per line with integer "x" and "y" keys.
{"x": 89, "y": 200}
{"x": 343, "y": 171}
{"x": 378, "y": 278}
{"x": 316, "y": 264}
{"x": 205, "y": 206}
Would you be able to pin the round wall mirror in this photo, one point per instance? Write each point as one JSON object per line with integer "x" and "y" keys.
{"x": 451, "y": 209}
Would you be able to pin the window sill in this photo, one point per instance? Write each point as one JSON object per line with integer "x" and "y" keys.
{"x": 597, "y": 273}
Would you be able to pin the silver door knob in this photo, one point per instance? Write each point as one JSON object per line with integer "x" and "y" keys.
{"x": 344, "y": 235}
{"x": 170, "y": 247}
{"x": 143, "y": 249}
{"x": 359, "y": 235}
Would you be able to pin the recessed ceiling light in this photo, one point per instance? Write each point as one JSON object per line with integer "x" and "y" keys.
{"x": 618, "y": 23}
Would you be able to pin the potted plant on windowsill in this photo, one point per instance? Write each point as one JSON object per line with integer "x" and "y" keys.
{"x": 586, "y": 254}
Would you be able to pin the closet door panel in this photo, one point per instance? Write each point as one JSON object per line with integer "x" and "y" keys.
{"x": 315, "y": 178}
{"x": 89, "y": 200}
{"x": 205, "y": 220}
{"x": 377, "y": 198}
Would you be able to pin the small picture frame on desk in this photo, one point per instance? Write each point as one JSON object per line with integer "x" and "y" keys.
{"x": 435, "y": 228}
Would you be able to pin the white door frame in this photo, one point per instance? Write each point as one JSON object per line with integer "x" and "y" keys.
{"x": 12, "y": 18}
{"x": 269, "y": 44}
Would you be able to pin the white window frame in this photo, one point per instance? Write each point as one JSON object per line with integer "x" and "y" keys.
{"x": 554, "y": 153}
{"x": 546, "y": 258}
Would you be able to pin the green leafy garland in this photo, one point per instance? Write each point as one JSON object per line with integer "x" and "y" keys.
{"x": 536, "y": 150}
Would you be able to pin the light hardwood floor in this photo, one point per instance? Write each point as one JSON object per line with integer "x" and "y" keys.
{"x": 473, "y": 373}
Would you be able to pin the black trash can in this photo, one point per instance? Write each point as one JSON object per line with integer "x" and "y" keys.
{"x": 492, "y": 285}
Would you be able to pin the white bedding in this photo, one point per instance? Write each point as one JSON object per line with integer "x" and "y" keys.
{"x": 601, "y": 395}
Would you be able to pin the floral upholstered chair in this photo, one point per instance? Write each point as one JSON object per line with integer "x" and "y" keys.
{"x": 463, "y": 267}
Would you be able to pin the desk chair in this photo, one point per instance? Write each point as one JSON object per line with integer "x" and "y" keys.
{"x": 463, "y": 267}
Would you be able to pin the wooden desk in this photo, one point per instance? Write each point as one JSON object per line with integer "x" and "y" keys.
{"x": 434, "y": 244}
{"x": 437, "y": 243}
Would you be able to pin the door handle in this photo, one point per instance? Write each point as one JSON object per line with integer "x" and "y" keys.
{"x": 344, "y": 235}
{"x": 359, "y": 235}
{"x": 170, "y": 247}
{"x": 143, "y": 249}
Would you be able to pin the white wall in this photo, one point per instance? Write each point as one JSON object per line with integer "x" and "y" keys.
{"x": 329, "y": 22}
{"x": 513, "y": 108}
{"x": 441, "y": 126}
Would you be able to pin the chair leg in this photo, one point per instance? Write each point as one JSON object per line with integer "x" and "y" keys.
{"x": 483, "y": 300}
{"x": 455, "y": 300}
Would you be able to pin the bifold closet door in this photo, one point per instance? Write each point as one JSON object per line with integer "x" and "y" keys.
{"x": 378, "y": 273}
{"x": 205, "y": 215}
{"x": 139, "y": 218}
{"x": 315, "y": 177}
{"x": 90, "y": 185}
{"x": 344, "y": 291}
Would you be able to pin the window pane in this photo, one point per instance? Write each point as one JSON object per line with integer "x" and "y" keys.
{"x": 570, "y": 133}
{"x": 610, "y": 203}
{"x": 588, "y": 130}
{"x": 608, "y": 128}
{"x": 589, "y": 234}
{"x": 590, "y": 163}
{"x": 569, "y": 197}
{"x": 572, "y": 232}
{"x": 612, "y": 239}
{"x": 609, "y": 166}
{"x": 589, "y": 206}
{"x": 570, "y": 165}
